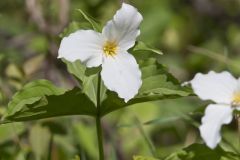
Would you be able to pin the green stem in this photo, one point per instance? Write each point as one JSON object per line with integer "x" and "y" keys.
{"x": 146, "y": 138}
{"x": 100, "y": 141}
{"x": 238, "y": 126}
{"x": 98, "y": 121}
{"x": 50, "y": 147}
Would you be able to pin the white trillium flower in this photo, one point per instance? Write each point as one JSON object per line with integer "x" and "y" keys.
{"x": 120, "y": 71}
{"x": 224, "y": 90}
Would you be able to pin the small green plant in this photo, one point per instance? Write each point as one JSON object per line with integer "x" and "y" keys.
{"x": 115, "y": 70}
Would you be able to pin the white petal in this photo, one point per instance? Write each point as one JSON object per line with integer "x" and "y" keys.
{"x": 83, "y": 45}
{"x": 124, "y": 28}
{"x": 122, "y": 75}
{"x": 215, "y": 116}
{"x": 218, "y": 87}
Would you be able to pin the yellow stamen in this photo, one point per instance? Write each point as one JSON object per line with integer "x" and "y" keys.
{"x": 110, "y": 48}
{"x": 236, "y": 99}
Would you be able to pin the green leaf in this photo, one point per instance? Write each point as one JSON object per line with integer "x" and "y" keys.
{"x": 85, "y": 136}
{"x": 40, "y": 143}
{"x": 158, "y": 84}
{"x": 31, "y": 93}
{"x": 141, "y": 46}
{"x": 95, "y": 25}
{"x": 76, "y": 158}
{"x": 90, "y": 23}
{"x": 202, "y": 152}
{"x": 41, "y": 99}
{"x": 10, "y": 131}
{"x": 175, "y": 155}
{"x": 77, "y": 69}
{"x": 158, "y": 121}
{"x": 88, "y": 79}
{"x": 143, "y": 158}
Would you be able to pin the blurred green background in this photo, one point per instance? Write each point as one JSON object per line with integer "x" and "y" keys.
{"x": 194, "y": 35}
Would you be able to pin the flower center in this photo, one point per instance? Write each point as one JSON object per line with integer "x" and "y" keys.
{"x": 236, "y": 99}
{"x": 110, "y": 48}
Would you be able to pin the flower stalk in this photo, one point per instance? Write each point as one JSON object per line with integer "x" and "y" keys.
{"x": 98, "y": 121}
{"x": 100, "y": 141}
{"x": 237, "y": 117}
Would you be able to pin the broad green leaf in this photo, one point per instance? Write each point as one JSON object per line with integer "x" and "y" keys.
{"x": 87, "y": 80}
{"x": 143, "y": 158}
{"x": 31, "y": 93}
{"x": 202, "y": 152}
{"x": 158, "y": 84}
{"x": 95, "y": 25}
{"x": 141, "y": 46}
{"x": 41, "y": 99}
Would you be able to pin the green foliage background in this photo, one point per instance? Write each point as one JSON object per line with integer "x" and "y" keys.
{"x": 194, "y": 35}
